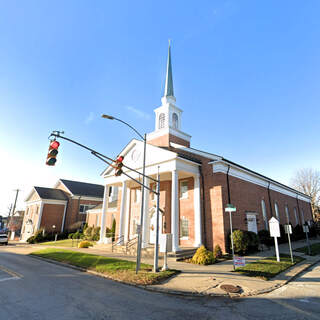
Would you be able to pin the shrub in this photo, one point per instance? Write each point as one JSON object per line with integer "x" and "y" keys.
{"x": 88, "y": 233}
{"x": 70, "y": 236}
{"x": 108, "y": 233}
{"x": 264, "y": 238}
{"x": 283, "y": 236}
{"x": 217, "y": 252}
{"x": 84, "y": 244}
{"x": 95, "y": 235}
{"x": 253, "y": 241}
{"x": 297, "y": 233}
{"x": 76, "y": 235}
{"x": 240, "y": 241}
{"x": 203, "y": 256}
{"x": 113, "y": 229}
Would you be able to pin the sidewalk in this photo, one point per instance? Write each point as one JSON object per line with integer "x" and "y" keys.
{"x": 206, "y": 280}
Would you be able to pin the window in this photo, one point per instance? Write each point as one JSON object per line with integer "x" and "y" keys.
{"x": 184, "y": 228}
{"x": 113, "y": 193}
{"x": 302, "y": 216}
{"x": 277, "y": 211}
{"x": 84, "y": 207}
{"x": 296, "y": 215}
{"x": 175, "y": 121}
{"x": 162, "y": 119}
{"x": 264, "y": 213}
{"x": 137, "y": 193}
{"x": 184, "y": 189}
{"x": 287, "y": 214}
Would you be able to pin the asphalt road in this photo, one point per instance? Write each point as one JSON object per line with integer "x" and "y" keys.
{"x": 34, "y": 289}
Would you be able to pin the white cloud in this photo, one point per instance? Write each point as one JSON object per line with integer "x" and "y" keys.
{"x": 140, "y": 114}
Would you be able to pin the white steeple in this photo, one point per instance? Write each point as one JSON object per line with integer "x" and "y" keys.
{"x": 168, "y": 115}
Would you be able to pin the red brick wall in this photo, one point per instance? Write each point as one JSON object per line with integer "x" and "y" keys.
{"x": 52, "y": 214}
{"x": 73, "y": 216}
{"x": 164, "y": 141}
{"x": 186, "y": 210}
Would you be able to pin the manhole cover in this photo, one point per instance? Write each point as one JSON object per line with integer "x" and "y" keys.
{"x": 230, "y": 288}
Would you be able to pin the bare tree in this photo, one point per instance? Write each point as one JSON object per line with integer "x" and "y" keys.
{"x": 307, "y": 180}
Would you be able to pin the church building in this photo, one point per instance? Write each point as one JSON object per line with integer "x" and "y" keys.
{"x": 195, "y": 188}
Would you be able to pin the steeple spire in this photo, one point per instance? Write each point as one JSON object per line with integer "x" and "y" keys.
{"x": 168, "y": 91}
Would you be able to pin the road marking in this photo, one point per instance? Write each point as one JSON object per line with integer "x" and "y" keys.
{"x": 293, "y": 308}
{"x": 14, "y": 275}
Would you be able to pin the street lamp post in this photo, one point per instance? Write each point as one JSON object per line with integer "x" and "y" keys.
{"x": 144, "y": 138}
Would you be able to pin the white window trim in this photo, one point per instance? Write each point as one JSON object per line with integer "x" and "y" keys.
{"x": 184, "y": 237}
{"x": 186, "y": 195}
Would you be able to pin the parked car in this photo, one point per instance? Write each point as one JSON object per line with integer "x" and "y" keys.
{"x": 4, "y": 238}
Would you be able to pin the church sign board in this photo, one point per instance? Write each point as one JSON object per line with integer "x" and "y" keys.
{"x": 274, "y": 228}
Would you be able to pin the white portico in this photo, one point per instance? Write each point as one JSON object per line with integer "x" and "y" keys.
{"x": 179, "y": 196}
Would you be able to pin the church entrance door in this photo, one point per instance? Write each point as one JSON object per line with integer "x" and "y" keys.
{"x": 153, "y": 224}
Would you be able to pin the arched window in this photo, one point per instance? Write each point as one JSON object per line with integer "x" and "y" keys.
{"x": 162, "y": 119}
{"x": 175, "y": 121}
{"x": 296, "y": 215}
{"x": 277, "y": 211}
{"x": 287, "y": 214}
{"x": 302, "y": 216}
{"x": 264, "y": 213}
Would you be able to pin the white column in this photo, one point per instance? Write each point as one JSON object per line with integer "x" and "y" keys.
{"x": 39, "y": 217}
{"x": 122, "y": 209}
{"x": 128, "y": 200}
{"x": 145, "y": 241}
{"x": 197, "y": 211}
{"x": 175, "y": 211}
{"x": 104, "y": 214}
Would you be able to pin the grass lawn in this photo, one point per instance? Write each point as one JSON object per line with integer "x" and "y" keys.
{"x": 269, "y": 267}
{"x": 62, "y": 243}
{"x": 314, "y": 248}
{"x": 116, "y": 269}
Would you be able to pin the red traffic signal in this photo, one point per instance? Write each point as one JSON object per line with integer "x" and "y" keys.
{"x": 118, "y": 166}
{"x": 52, "y": 153}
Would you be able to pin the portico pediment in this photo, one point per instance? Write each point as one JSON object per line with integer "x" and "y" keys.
{"x": 133, "y": 156}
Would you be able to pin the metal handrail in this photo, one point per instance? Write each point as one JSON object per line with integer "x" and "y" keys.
{"x": 131, "y": 243}
{"x": 117, "y": 241}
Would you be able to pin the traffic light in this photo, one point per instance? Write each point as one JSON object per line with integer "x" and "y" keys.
{"x": 52, "y": 153}
{"x": 118, "y": 166}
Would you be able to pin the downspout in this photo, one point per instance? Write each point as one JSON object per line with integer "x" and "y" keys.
{"x": 79, "y": 208}
{"x": 228, "y": 185}
{"x": 299, "y": 210}
{"x": 270, "y": 199}
{"x": 203, "y": 227}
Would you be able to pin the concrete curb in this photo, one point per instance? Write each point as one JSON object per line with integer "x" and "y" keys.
{"x": 184, "y": 293}
{"x": 279, "y": 285}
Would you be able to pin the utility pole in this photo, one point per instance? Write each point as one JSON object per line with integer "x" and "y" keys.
{"x": 15, "y": 201}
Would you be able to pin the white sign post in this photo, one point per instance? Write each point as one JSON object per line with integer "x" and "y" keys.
{"x": 274, "y": 228}
{"x": 230, "y": 208}
{"x": 306, "y": 230}
{"x": 288, "y": 230}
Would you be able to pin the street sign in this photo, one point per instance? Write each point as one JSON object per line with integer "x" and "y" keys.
{"x": 305, "y": 228}
{"x": 165, "y": 242}
{"x": 274, "y": 227}
{"x": 138, "y": 230}
{"x": 239, "y": 261}
{"x": 288, "y": 228}
{"x": 230, "y": 208}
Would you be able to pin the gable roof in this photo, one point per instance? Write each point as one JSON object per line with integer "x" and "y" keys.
{"x": 50, "y": 193}
{"x": 78, "y": 188}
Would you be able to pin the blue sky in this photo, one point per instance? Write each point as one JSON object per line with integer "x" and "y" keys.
{"x": 246, "y": 74}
